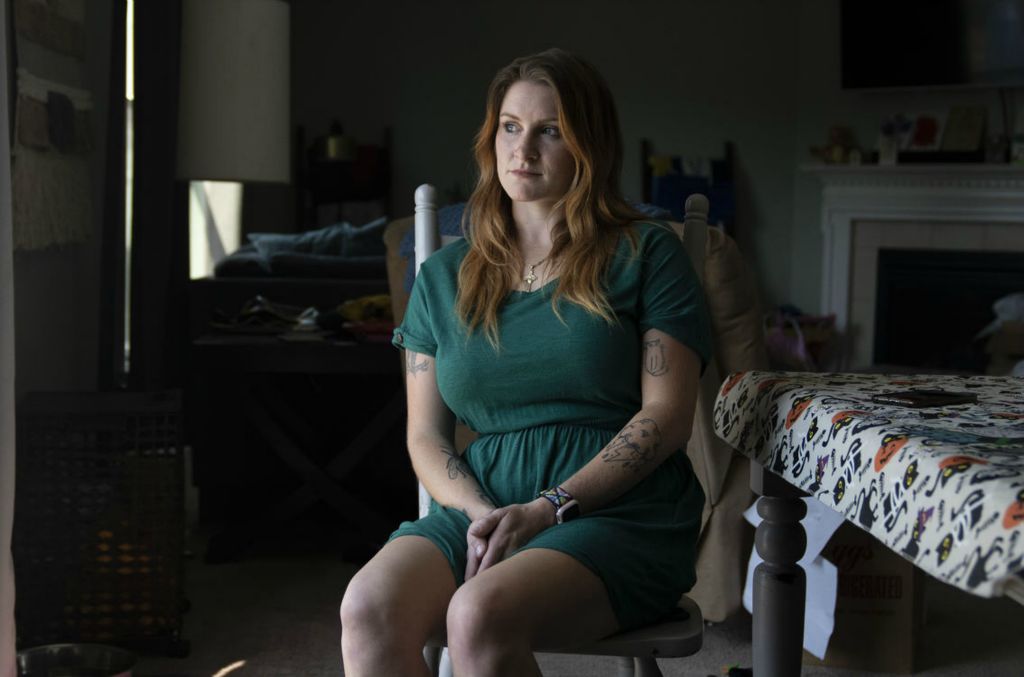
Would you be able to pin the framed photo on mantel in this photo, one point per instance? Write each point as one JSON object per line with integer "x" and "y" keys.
{"x": 926, "y": 134}
{"x": 965, "y": 129}
{"x": 946, "y": 137}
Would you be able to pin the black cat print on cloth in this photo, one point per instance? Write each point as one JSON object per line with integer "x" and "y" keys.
{"x": 943, "y": 486}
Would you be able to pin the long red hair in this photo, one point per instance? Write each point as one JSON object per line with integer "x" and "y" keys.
{"x": 596, "y": 214}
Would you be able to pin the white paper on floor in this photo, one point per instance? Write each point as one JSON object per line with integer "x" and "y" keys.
{"x": 822, "y": 578}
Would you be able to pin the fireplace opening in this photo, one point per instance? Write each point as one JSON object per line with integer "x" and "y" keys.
{"x": 930, "y": 305}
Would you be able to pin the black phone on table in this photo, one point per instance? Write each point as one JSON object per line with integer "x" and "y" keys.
{"x": 925, "y": 398}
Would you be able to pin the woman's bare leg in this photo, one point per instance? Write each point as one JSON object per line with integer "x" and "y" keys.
{"x": 392, "y": 606}
{"x": 536, "y": 599}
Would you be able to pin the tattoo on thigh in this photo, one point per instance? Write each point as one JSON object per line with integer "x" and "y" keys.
{"x": 456, "y": 466}
{"x": 655, "y": 360}
{"x": 411, "y": 365}
{"x": 635, "y": 446}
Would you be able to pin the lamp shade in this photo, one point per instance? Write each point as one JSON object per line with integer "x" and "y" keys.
{"x": 234, "y": 101}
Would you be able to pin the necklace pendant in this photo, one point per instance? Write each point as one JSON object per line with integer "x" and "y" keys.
{"x": 531, "y": 277}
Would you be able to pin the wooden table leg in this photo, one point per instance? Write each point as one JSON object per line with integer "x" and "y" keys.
{"x": 779, "y": 582}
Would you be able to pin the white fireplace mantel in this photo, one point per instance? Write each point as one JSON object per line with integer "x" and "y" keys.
{"x": 914, "y": 194}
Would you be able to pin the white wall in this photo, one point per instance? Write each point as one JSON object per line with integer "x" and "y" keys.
{"x": 689, "y": 75}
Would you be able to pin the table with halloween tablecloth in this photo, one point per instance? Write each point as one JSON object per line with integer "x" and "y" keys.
{"x": 943, "y": 486}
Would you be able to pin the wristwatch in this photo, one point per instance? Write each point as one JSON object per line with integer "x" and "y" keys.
{"x": 567, "y": 512}
{"x": 566, "y": 507}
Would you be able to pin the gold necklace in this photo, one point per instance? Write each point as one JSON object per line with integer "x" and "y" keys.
{"x": 531, "y": 277}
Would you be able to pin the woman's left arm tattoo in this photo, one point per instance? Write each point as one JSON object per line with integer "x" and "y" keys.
{"x": 456, "y": 466}
{"x": 635, "y": 446}
{"x": 655, "y": 360}
{"x": 412, "y": 366}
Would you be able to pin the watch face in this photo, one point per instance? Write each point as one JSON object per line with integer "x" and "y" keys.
{"x": 568, "y": 512}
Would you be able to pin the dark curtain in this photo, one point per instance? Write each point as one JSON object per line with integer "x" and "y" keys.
{"x": 159, "y": 264}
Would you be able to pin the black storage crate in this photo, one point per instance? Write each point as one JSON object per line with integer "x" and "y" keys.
{"x": 99, "y": 519}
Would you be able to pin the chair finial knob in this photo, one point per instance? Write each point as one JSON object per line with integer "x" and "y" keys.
{"x": 425, "y": 197}
{"x": 425, "y": 223}
{"x": 697, "y": 207}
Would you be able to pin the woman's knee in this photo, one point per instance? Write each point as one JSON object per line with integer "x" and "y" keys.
{"x": 367, "y": 605}
{"x": 388, "y": 605}
{"x": 356, "y": 606}
{"x": 480, "y": 615}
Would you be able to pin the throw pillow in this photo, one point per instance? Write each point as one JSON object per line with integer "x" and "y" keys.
{"x": 327, "y": 240}
{"x": 365, "y": 240}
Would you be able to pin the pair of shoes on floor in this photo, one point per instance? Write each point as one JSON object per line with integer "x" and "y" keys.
{"x": 260, "y": 315}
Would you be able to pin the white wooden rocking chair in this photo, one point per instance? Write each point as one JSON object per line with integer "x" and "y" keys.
{"x": 637, "y": 649}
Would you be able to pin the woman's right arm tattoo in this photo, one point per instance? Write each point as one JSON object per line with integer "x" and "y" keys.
{"x": 655, "y": 360}
{"x": 635, "y": 446}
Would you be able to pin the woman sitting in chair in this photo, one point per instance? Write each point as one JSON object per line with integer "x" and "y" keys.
{"x": 571, "y": 336}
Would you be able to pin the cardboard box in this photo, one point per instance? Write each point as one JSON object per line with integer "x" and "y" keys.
{"x": 879, "y": 605}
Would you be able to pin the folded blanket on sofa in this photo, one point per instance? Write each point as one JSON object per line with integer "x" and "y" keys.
{"x": 339, "y": 239}
{"x": 338, "y": 250}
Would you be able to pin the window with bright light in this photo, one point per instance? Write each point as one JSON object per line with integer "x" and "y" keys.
{"x": 129, "y": 173}
{"x": 214, "y": 223}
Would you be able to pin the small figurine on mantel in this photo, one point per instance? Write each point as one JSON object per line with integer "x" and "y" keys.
{"x": 892, "y": 137}
{"x": 841, "y": 147}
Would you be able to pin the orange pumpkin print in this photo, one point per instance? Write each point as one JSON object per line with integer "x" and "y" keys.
{"x": 768, "y": 383}
{"x": 1014, "y": 515}
{"x": 846, "y": 417}
{"x": 731, "y": 382}
{"x": 954, "y": 464}
{"x": 891, "y": 444}
{"x": 961, "y": 460}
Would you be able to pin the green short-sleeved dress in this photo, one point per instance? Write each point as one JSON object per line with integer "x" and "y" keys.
{"x": 553, "y": 396}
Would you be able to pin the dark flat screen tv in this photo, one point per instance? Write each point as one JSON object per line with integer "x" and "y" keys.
{"x": 932, "y": 43}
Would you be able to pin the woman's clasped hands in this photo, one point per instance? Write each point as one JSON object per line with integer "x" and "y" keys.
{"x": 502, "y": 531}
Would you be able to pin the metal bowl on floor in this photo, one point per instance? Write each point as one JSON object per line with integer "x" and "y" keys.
{"x": 75, "y": 660}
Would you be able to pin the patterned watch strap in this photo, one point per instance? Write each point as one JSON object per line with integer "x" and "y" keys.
{"x": 557, "y": 495}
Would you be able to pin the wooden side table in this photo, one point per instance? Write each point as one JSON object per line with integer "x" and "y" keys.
{"x": 252, "y": 362}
